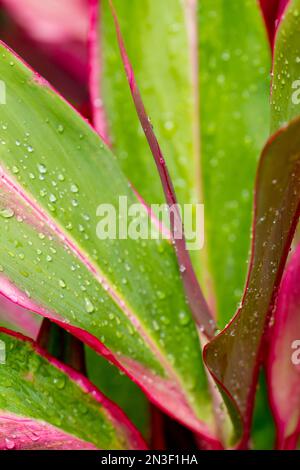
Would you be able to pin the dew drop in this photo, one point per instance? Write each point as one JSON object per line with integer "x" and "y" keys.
{"x": 89, "y": 307}
{"x": 7, "y": 213}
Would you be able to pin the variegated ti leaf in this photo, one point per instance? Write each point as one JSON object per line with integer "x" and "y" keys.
{"x": 123, "y": 297}
{"x": 206, "y": 91}
{"x": 46, "y": 21}
{"x": 79, "y": 417}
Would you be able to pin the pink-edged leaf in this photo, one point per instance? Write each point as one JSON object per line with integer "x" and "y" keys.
{"x": 79, "y": 417}
{"x": 19, "y": 319}
{"x": 123, "y": 297}
{"x": 283, "y": 364}
{"x": 197, "y": 302}
{"x": 234, "y": 356}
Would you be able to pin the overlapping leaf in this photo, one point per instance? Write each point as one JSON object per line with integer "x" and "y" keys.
{"x": 234, "y": 63}
{"x": 56, "y": 48}
{"x": 119, "y": 388}
{"x": 123, "y": 297}
{"x": 79, "y": 416}
{"x": 243, "y": 338}
{"x": 263, "y": 426}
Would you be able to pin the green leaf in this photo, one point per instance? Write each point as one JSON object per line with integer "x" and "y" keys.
{"x": 19, "y": 319}
{"x": 123, "y": 297}
{"x": 263, "y": 428}
{"x": 203, "y": 142}
{"x": 79, "y": 416}
{"x": 285, "y": 96}
{"x": 194, "y": 295}
{"x": 234, "y": 356}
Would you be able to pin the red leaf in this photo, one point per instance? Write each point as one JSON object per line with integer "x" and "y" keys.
{"x": 234, "y": 356}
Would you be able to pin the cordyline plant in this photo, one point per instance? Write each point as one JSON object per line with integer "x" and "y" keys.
{"x": 201, "y": 69}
